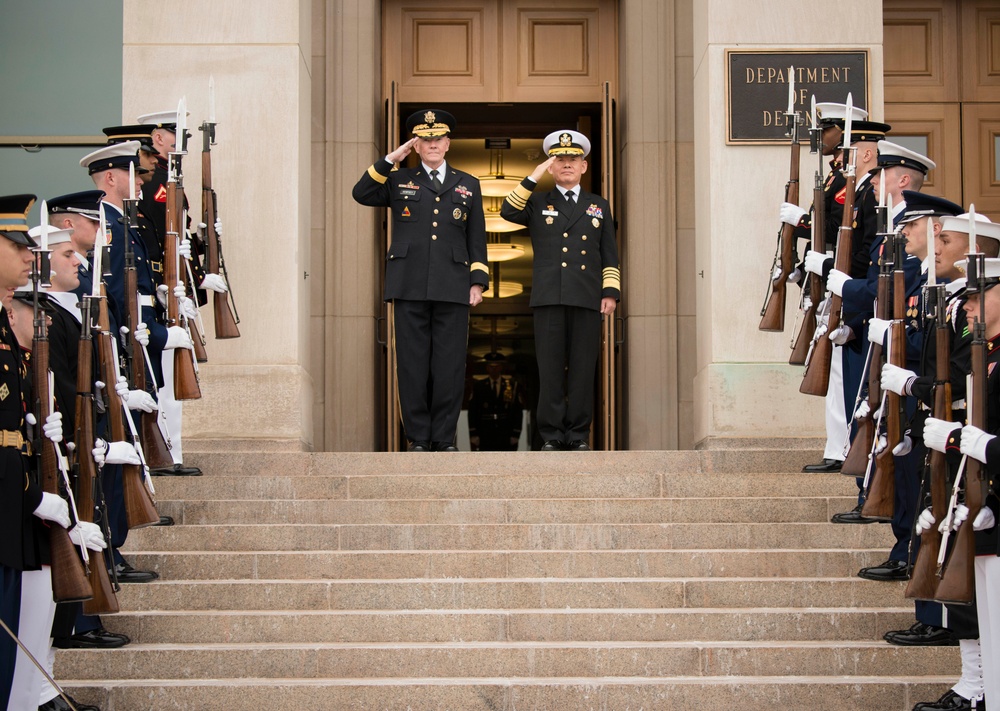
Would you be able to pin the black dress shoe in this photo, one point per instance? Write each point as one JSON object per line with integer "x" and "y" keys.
{"x": 127, "y": 574}
{"x": 921, "y": 635}
{"x": 950, "y": 701}
{"x": 443, "y": 447}
{"x": 165, "y": 521}
{"x": 552, "y": 445}
{"x": 827, "y": 465}
{"x": 176, "y": 470}
{"x": 889, "y": 570}
{"x": 94, "y": 639}
{"x": 852, "y": 516}
{"x": 419, "y": 446}
{"x": 57, "y": 704}
{"x": 578, "y": 445}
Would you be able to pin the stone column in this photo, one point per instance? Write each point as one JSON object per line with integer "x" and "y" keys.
{"x": 744, "y": 387}
{"x": 257, "y": 389}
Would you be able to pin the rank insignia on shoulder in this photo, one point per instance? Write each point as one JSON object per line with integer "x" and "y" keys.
{"x": 595, "y": 211}
{"x": 161, "y": 194}
{"x": 406, "y": 212}
{"x": 841, "y": 197}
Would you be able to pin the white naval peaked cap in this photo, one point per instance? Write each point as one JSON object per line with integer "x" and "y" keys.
{"x": 566, "y": 143}
{"x": 161, "y": 119}
{"x": 117, "y": 155}
{"x": 892, "y": 154}
{"x": 56, "y": 236}
{"x": 829, "y": 111}
{"x": 960, "y": 223}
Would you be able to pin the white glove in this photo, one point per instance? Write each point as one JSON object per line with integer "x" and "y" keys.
{"x": 896, "y": 379}
{"x": 30, "y": 419}
{"x": 177, "y": 337}
{"x": 984, "y": 519}
{"x": 100, "y": 447}
{"x": 974, "y": 442}
{"x": 200, "y": 230}
{"x": 134, "y": 399}
{"x": 218, "y": 226}
{"x": 938, "y": 432}
{"x": 881, "y": 444}
{"x": 53, "y": 508}
{"x": 876, "y": 330}
{"x": 161, "y": 294}
{"x": 142, "y": 335}
{"x": 961, "y": 513}
{"x": 184, "y": 249}
{"x": 215, "y": 282}
{"x": 187, "y": 307}
{"x": 119, "y": 453}
{"x": 904, "y": 447}
{"x": 924, "y": 521}
{"x": 815, "y": 261}
{"x": 863, "y": 409}
{"x": 789, "y": 214}
{"x": 835, "y": 282}
{"x": 88, "y": 534}
{"x": 53, "y": 427}
{"x": 841, "y": 335}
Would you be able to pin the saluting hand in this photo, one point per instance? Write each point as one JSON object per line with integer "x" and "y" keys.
{"x": 542, "y": 169}
{"x": 400, "y": 153}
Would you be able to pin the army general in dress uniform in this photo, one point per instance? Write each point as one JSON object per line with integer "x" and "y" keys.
{"x": 435, "y": 271}
{"x": 576, "y": 280}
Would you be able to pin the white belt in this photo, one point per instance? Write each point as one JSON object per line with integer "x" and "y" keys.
{"x": 147, "y": 301}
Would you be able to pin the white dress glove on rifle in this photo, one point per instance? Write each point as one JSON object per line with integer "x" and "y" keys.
{"x": 115, "y": 453}
{"x": 863, "y": 409}
{"x": 184, "y": 249}
{"x": 924, "y": 521}
{"x": 142, "y": 335}
{"x": 161, "y": 294}
{"x": 938, "y": 432}
{"x": 789, "y": 214}
{"x": 974, "y": 442}
{"x": 835, "y": 282}
{"x": 177, "y": 337}
{"x": 876, "y": 330}
{"x": 841, "y": 335}
{"x": 218, "y": 226}
{"x": 134, "y": 399}
{"x": 815, "y": 261}
{"x": 896, "y": 379}
{"x": 53, "y": 508}
{"x": 53, "y": 428}
{"x": 904, "y": 447}
{"x": 215, "y": 282}
{"x": 89, "y": 535}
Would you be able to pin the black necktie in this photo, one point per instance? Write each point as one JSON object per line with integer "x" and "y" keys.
{"x": 571, "y": 197}
{"x": 435, "y": 181}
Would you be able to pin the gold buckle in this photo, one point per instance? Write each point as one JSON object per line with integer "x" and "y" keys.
{"x": 11, "y": 438}
{"x": 156, "y": 266}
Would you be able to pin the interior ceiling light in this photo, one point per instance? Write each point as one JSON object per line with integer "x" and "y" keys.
{"x": 496, "y": 183}
{"x": 507, "y": 289}
{"x": 503, "y": 252}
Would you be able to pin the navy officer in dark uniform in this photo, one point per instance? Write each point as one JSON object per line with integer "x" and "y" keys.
{"x": 435, "y": 271}
{"x": 576, "y": 281}
{"x": 495, "y": 409}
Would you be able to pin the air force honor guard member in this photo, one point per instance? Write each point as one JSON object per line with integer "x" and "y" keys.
{"x": 576, "y": 280}
{"x": 435, "y": 270}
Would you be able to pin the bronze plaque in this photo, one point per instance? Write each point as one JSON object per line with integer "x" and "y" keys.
{"x": 757, "y": 90}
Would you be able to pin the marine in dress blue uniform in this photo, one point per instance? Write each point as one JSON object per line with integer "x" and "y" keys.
{"x": 576, "y": 279}
{"x": 435, "y": 270}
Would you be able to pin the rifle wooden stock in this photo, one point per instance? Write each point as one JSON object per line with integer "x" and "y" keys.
{"x": 186, "y": 385}
{"x": 104, "y": 600}
{"x": 856, "y": 463}
{"x": 200, "y": 353}
{"x": 69, "y": 581}
{"x": 225, "y": 322}
{"x": 801, "y": 348}
{"x": 773, "y": 318}
{"x": 817, "y": 377}
{"x": 139, "y": 507}
{"x": 958, "y": 578}
{"x": 923, "y": 578}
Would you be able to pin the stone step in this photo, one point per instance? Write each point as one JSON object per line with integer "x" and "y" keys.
{"x": 598, "y": 484}
{"x": 733, "y": 461}
{"x": 346, "y": 565}
{"x": 542, "y": 536}
{"x": 509, "y": 593}
{"x": 611, "y": 624}
{"x": 507, "y": 659}
{"x": 889, "y": 693}
{"x": 480, "y": 511}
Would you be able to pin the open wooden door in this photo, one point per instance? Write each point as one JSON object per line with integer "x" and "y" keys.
{"x": 393, "y": 425}
{"x": 608, "y": 369}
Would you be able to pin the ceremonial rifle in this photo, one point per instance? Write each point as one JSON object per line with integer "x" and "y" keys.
{"x": 69, "y": 577}
{"x": 186, "y": 385}
{"x": 773, "y": 312}
{"x": 812, "y": 295}
{"x": 88, "y": 479}
{"x": 223, "y": 305}
{"x": 817, "y": 376}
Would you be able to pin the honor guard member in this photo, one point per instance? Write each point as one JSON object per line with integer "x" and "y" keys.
{"x": 495, "y": 410}
{"x": 20, "y": 493}
{"x": 148, "y": 159}
{"x": 831, "y": 117}
{"x": 576, "y": 280}
{"x": 435, "y": 271}
{"x": 79, "y": 213}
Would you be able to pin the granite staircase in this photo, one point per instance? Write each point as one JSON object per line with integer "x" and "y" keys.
{"x": 631, "y": 580}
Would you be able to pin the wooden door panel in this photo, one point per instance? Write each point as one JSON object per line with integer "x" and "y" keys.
{"x": 921, "y": 63}
{"x": 981, "y": 154}
{"x": 980, "y": 47}
{"x": 939, "y": 126}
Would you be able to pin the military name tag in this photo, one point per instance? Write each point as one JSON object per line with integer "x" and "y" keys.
{"x": 408, "y": 192}
{"x": 554, "y": 213}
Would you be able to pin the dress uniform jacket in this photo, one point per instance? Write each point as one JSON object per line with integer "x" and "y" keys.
{"x": 576, "y": 257}
{"x": 833, "y": 208}
{"x": 438, "y": 248}
{"x": 64, "y": 346}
